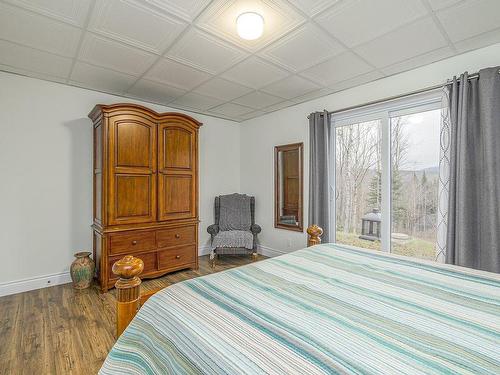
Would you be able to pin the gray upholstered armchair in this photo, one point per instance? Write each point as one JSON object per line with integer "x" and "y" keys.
{"x": 234, "y": 230}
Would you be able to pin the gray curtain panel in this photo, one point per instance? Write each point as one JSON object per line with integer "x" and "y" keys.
{"x": 473, "y": 236}
{"x": 319, "y": 171}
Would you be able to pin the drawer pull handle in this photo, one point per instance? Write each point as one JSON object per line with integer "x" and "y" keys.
{"x": 177, "y": 257}
{"x": 177, "y": 236}
{"x": 134, "y": 242}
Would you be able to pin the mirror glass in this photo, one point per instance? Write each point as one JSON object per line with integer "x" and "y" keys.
{"x": 288, "y": 186}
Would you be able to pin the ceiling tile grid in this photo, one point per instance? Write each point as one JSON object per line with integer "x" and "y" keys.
{"x": 185, "y": 9}
{"x": 110, "y": 54}
{"x": 37, "y": 31}
{"x": 186, "y": 53}
{"x": 130, "y": 22}
{"x": 255, "y": 72}
{"x": 155, "y": 92}
{"x": 30, "y": 59}
{"x": 70, "y": 11}
{"x": 222, "y": 89}
{"x": 302, "y": 48}
{"x": 96, "y": 77}
{"x": 355, "y": 22}
{"x": 206, "y": 52}
{"x": 176, "y": 74}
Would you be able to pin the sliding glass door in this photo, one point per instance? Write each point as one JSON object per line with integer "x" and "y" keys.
{"x": 357, "y": 168}
{"x": 415, "y": 180}
{"x": 385, "y": 178}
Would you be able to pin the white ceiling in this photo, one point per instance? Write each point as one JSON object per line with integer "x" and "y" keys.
{"x": 186, "y": 53}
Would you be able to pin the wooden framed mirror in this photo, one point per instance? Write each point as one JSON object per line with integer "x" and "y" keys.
{"x": 288, "y": 186}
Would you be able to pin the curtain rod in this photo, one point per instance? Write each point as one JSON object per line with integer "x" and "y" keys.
{"x": 415, "y": 92}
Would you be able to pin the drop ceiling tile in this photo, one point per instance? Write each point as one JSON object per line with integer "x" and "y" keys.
{"x": 197, "y": 101}
{"x": 202, "y": 51}
{"x": 470, "y": 18}
{"x": 113, "y": 55}
{"x": 37, "y": 31}
{"x": 101, "y": 79}
{"x": 132, "y": 23}
{"x": 409, "y": 41}
{"x": 155, "y": 92}
{"x": 254, "y": 72}
{"x": 31, "y": 60}
{"x": 440, "y": 4}
{"x": 415, "y": 62}
{"x": 312, "y": 95}
{"x": 291, "y": 87}
{"x": 176, "y": 74}
{"x": 231, "y": 110}
{"x": 257, "y": 100}
{"x": 302, "y": 48}
{"x": 250, "y": 115}
{"x": 356, "y": 81}
{"x": 313, "y": 7}
{"x": 479, "y": 41}
{"x": 31, "y": 74}
{"x": 69, "y": 11}
{"x": 186, "y": 9}
{"x": 278, "y": 106}
{"x": 222, "y": 89}
{"x": 355, "y": 22}
{"x": 220, "y": 19}
{"x": 339, "y": 68}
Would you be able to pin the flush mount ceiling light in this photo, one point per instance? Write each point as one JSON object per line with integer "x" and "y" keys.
{"x": 250, "y": 25}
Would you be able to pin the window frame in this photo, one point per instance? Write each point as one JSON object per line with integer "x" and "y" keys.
{"x": 383, "y": 112}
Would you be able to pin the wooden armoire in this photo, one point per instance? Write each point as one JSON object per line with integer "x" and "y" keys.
{"x": 145, "y": 189}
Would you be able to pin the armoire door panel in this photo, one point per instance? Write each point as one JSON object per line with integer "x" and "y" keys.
{"x": 132, "y": 166}
{"x": 176, "y": 171}
{"x": 133, "y": 199}
{"x": 175, "y": 196}
{"x": 134, "y": 144}
{"x": 176, "y": 147}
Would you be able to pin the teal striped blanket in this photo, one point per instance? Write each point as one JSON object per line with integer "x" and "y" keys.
{"x": 327, "y": 309}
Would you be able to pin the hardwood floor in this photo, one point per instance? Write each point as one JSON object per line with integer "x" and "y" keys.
{"x": 60, "y": 330}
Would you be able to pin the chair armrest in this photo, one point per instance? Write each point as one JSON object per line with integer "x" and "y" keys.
{"x": 213, "y": 229}
{"x": 255, "y": 228}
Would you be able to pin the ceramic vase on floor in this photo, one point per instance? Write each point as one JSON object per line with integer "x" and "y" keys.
{"x": 82, "y": 270}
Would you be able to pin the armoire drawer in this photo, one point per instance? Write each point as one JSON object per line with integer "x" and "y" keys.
{"x": 149, "y": 259}
{"x": 131, "y": 242}
{"x": 179, "y": 256}
{"x": 176, "y": 236}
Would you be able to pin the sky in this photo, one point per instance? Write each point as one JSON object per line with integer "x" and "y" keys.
{"x": 423, "y": 131}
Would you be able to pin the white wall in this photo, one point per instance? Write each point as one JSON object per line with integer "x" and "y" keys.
{"x": 260, "y": 135}
{"x": 46, "y": 179}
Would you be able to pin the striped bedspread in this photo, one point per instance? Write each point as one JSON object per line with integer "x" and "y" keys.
{"x": 327, "y": 309}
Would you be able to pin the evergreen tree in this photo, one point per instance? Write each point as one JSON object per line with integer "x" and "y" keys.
{"x": 398, "y": 203}
{"x": 374, "y": 197}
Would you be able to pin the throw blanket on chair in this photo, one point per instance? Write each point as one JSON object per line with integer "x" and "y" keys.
{"x": 235, "y": 212}
{"x": 234, "y": 223}
{"x": 233, "y": 238}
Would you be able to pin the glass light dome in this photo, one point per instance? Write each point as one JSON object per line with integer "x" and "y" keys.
{"x": 250, "y": 25}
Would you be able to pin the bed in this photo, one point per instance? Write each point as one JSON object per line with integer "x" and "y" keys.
{"x": 326, "y": 309}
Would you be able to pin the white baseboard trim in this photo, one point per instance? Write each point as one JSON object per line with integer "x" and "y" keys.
{"x": 270, "y": 252}
{"x": 25, "y": 285}
{"x": 204, "y": 250}
{"x": 33, "y": 283}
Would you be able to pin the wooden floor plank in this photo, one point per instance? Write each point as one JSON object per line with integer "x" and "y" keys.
{"x": 60, "y": 330}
